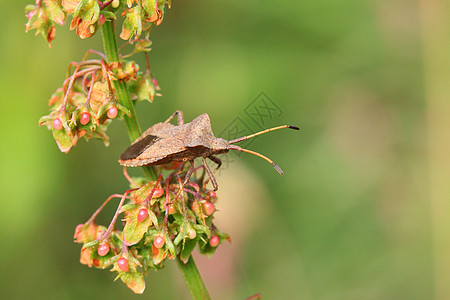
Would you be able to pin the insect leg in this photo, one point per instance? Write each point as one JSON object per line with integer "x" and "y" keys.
{"x": 189, "y": 173}
{"x": 216, "y": 160}
{"x": 127, "y": 176}
{"x": 186, "y": 179}
{"x": 180, "y": 118}
{"x": 211, "y": 176}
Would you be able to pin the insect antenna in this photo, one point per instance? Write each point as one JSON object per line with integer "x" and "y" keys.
{"x": 261, "y": 132}
{"x": 233, "y": 147}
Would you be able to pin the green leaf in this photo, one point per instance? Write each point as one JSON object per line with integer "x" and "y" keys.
{"x": 204, "y": 229}
{"x": 129, "y": 206}
{"x": 145, "y": 90}
{"x": 81, "y": 6}
{"x": 134, "y": 230}
{"x": 184, "y": 232}
{"x": 88, "y": 14}
{"x": 46, "y": 120}
{"x": 188, "y": 247}
{"x": 63, "y": 139}
{"x": 143, "y": 192}
{"x": 38, "y": 19}
{"x": 158, "y": 255}
{"x": 205, "y": 247}
{"x": 123, "y": 109}
{"x": 91, "y": 244}
{"x": 132, "y": 26}
{"x": 134, "y": 281}
{"x": 55, "y": 12}
{"x": 149, "y": 7}
{"x": 169, "y": 245}
{"x": 154, "y": 218}
{"x": 109, "y": 15}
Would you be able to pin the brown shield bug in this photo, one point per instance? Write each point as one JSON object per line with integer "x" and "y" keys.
{"x": 164, "y": 143}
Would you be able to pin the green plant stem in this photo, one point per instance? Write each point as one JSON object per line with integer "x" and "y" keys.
{"x": 132, "y": 123}
{"x": 189, "y": 271}
{"x": 193, "y": 280}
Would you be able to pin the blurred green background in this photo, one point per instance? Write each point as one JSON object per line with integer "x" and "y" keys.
{"x": 362, "y": 211}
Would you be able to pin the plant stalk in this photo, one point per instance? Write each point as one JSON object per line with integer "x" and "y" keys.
{"x": 132, "y": 123}
{"x": 193, "y": 280}
{"x": 189, "y": 271}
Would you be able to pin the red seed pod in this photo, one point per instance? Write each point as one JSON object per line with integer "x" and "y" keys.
{"x": 85, "y": 118}
{"x": 159, "y": 242}
{"x": 195, "y": 206}
{"x": 101, "y": 20}
{"x": 57, "y": 124}
{"x": 214, "y": 241}
{"x": 158, "y": 193}
{"x": 212, "y": 195}
{"x": 112, "y": 112}
{"x": 123, "y": 264}
{"x": 209, "y": 208}
{"x": 142, "y": 215}
{"x": 155, "y": 83}
{"x": 103, "y": 249}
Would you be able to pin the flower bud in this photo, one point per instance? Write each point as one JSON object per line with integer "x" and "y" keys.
{"x": 123, "y": 264}
{"x": 159, "y": 242}
{"x": 57, "y": 124}
{"x": 158, "y": 193}
{"x": 112, "y": 112}
{"x": 142, "y": 215}
{"x": 101, "y": 20}
{"x": 103, "y": 249}
{"x": 209, "y": 208}
{"x": 214, "y": 241}
{"x": 85, "y": 118}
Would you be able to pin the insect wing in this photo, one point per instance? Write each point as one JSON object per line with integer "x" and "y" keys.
{"x": 151, "y": 150}
{"x": 139, "y": 146}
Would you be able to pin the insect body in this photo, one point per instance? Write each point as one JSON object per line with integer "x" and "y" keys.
{"x": 164, "y": 143}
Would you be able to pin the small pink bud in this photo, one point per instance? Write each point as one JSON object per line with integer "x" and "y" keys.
{"x": 85, "y": 118}
{"x": 214, "y": 241}
{"x": 213, "y": 195}
{"x": 155, "y": 83}
{"x": 101, "y": 20}
{"x": 57, "y": 124}
{"x": 123, "y": 264}
{"x": 195, "y": 206}
{"x": 158, "y": 193}
{"x": 112, "y": 112}
{"x": 142, "y": 215}
{"x": 31, "y": 14}
{"x": 159, "y": 242}
{"x": 103, "y": 249}
{"x": 209, "y": 208}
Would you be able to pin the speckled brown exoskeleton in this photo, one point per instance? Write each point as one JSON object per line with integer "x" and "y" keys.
{"x": 164, "y": 143}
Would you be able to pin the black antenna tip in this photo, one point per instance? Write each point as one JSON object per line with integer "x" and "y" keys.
{"x": 293, "y": 127}
{"x": 278, "y": 169}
